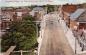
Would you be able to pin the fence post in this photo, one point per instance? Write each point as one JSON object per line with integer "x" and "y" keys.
{"x": 21, "y": 52}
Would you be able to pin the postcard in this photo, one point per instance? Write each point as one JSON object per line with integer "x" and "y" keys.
{"x": 42, "y": 27}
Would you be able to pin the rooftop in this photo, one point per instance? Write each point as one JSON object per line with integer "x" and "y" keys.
{"x": 38, "y": 9}
{"x": 77, "y": 14}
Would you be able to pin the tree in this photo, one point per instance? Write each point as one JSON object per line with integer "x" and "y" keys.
{"x": 22, "y": 34}
{"x": 50, "y": 8}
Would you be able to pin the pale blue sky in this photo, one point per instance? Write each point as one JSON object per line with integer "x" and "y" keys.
{"x": 8, "y": 4}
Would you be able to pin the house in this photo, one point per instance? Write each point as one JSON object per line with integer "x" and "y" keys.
{"x": 5, "y": 19}
{"x": 21, "y": 12}
{"x": 66, "y": 11}
{"x": 38, "y": 12}
{"x": 69, "y": 8}
{"x": 12, "y": 14}
{"x": 78, "y": 18}
{"x": 74, "y": 16}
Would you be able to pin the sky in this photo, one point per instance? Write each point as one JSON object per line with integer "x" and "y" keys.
{"x": 14, "y": 3}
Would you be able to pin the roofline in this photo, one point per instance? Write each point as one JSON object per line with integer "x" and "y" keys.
{"x": 82, "y": 21}
{"x": 79, "y": 16}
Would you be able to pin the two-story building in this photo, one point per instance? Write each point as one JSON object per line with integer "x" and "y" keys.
{"x": 12, "y": 14}
{"x": 74, "y": 16}
{"x": 38, "y": 12}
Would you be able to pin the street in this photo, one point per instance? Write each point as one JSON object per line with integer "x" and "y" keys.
{"x": 54, "y": 41}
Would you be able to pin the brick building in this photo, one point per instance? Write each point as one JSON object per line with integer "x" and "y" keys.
{"x": 74, "y": 16}
{"x": 12, "y": 14}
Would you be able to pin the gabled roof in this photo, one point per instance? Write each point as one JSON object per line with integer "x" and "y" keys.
{"x": 77, "y": 14}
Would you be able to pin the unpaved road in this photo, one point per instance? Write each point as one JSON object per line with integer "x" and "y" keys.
{"x": 54, "y": 41}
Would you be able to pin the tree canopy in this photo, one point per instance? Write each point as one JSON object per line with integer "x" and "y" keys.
{"x": 22, "y": 34}
{"x": 50, "y": 8}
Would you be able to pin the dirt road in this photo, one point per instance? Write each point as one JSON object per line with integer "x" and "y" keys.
{"x": 54, "y": 41}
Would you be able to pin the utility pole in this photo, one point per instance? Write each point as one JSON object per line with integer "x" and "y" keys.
{"x": 37, "y": 28}
{"x": 75, "y": 47}
{"x": 46, "y": 9}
